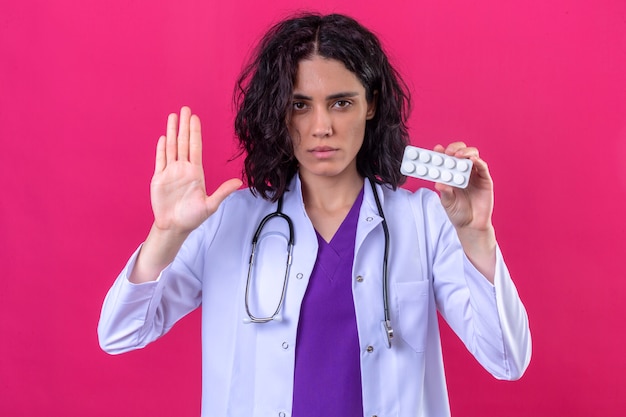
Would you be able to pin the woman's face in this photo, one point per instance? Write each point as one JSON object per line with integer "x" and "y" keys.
{"x": 328, "y": 118}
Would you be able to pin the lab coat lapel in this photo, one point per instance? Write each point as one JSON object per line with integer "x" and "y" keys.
{"x": 369, "y": 218}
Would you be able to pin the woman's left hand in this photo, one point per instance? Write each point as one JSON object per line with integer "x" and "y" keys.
{"x": 469, "y": 208}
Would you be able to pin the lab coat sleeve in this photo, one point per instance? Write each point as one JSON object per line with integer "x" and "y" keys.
{"x": 490, "y": 319}
{"x": 134, "y": 315}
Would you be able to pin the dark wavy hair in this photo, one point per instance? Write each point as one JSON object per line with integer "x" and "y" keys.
{"x": 263, "y": 98}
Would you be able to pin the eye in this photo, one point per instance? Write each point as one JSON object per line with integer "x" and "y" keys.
{"x": 299, "y": 105}
{"x": 342, "y": 104}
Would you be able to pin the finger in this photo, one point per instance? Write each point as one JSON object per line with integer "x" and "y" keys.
{"x": 467, "y": 152}
{"x": 481, "y": 167}
{"x": 195, "y": 141}
{"x": 454, "y": 147}
{"x": 183, "y": 134}
{"x": 223, "y": 191}
{"x": 461, "y": 150}
{"x": 439, "y": 148}
{"x": 170, "y": 142}
{"x": 160, "y": 160}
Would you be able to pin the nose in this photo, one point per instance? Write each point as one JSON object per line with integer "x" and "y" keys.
{"x": 322, "y": 123}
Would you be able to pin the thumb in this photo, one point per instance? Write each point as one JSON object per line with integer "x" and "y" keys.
{"x": 446, "y": 194}
{"x": 227, "y": 188}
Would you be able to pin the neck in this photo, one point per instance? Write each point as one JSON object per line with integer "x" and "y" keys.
{"x": 328, "y": 200}
{"x": 330, "y": 194}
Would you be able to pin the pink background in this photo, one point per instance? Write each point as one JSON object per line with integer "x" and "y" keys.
{"x": 85, "y": 87}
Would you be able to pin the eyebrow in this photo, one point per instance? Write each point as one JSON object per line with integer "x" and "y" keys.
{"x": 346, "y": 94}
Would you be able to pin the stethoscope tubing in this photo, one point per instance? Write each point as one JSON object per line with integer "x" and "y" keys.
{"x": 387, "y": 322}
{"x": 255, "y": 239}
{"x": 275, "y": 316}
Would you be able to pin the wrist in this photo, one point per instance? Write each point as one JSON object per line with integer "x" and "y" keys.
{"x": 162, "y": 234}
{"x": 157, "y": 252}
{"x": 480, "y": 248}
{"x": 483, "y": 239}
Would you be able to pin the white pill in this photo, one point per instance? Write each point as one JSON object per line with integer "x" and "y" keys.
{"x": 421, "y": 170}
{"x": 462, "y": 166}
{"x": 437, "y": 160}
{"x": 459, "y": 179}
{"x": 412, "y": 153}
{"x": 449, "y": 163}
{"x": 446, "y": 176}
{"x": 425, "y": 157}
{"x": 408, "y": 167}
{"x": 433, "y": 173}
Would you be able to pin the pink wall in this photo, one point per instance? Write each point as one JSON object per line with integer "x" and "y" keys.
{"x": 539, "y": 86}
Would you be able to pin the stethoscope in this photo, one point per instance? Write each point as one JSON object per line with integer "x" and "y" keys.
{"x": 275, "y": 316}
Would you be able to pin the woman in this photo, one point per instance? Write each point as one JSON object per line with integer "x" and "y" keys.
{"x": 346, "y": 324}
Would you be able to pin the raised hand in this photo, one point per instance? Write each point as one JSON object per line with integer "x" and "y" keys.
{"x": 177, "y": 191}
{"x": 178, "y": 194}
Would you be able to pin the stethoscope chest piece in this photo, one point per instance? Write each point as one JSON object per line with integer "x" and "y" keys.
{"x": 388, "y": 330}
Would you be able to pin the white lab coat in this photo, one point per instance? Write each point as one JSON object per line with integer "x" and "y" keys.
{"x": 248, "y": 368}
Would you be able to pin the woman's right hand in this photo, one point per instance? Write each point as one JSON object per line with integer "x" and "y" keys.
{"x": 178, "y": 193}
{"x": 179, "y": 200}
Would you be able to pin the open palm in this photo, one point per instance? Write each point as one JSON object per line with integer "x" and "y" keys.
{"x": 177, "y": 191}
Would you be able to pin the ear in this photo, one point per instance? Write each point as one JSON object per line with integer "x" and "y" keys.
{"x": 371, "y": 107}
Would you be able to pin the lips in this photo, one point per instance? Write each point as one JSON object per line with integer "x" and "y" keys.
{"x": 323, "y": 151}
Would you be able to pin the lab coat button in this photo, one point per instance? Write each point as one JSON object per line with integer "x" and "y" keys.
{"x": 285, "y": 345}
{"x": 369, "y": 219}
{"x": 359, "y": 278}
{"x": 299, "y": 275}
{"x": 282, "y": 414}
{"x": 370, "y": 349}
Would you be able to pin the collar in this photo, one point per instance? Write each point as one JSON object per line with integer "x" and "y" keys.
{"x": 294, "y": 194}
{"x": 293, "y": 201}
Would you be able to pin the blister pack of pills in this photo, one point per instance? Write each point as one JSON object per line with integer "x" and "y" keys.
{"x": 436, "y": 167}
